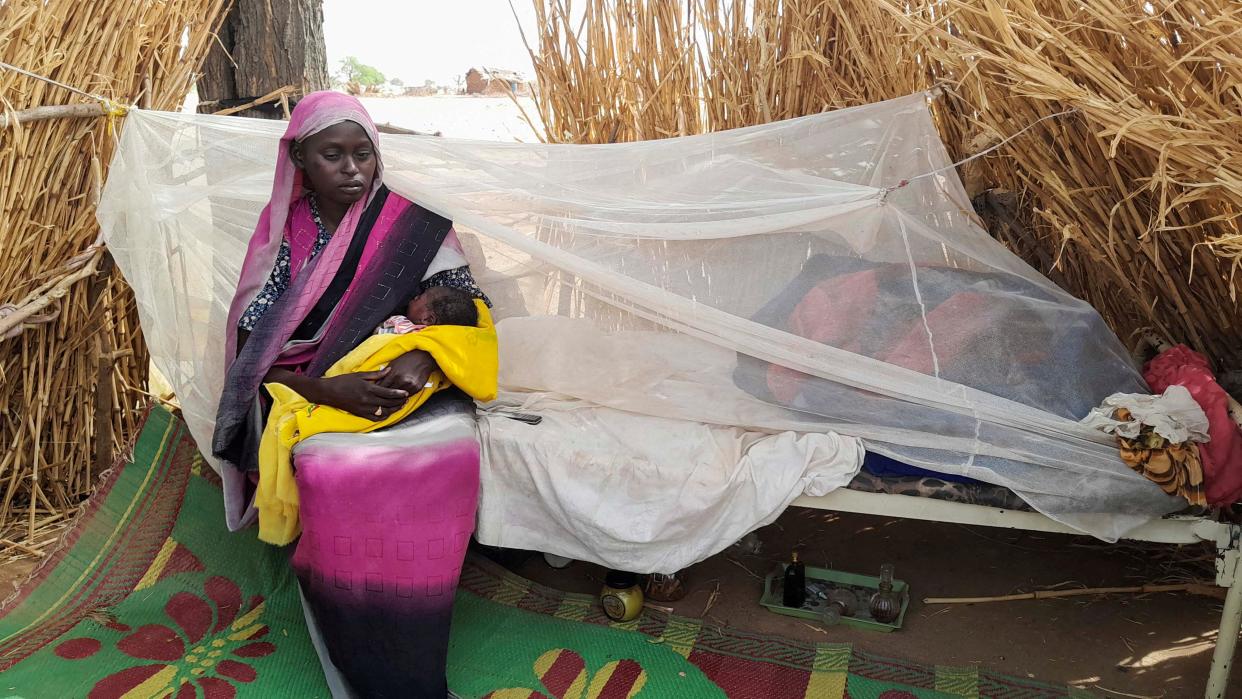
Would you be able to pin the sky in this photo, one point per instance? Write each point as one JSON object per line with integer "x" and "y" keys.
{"x": 417, "y": 40}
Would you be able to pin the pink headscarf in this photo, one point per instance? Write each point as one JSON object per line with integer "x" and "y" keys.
{"x": 314, "y": 113}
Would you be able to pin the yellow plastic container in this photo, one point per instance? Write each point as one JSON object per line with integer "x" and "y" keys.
{"x": 621, "y": 597}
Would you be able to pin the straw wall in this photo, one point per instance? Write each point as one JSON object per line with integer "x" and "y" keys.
{"x": 1132, "y": 202}
{"x": 89, "y": 349}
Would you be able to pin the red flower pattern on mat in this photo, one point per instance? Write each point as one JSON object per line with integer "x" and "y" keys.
{"x": 191, "y": 659}
{"x": 563, "y": 674}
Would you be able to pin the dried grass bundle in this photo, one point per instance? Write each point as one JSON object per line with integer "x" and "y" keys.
{"x": 1132, "y": 202}
{"x": 622, "y": 70}
{"x": 625, "y": 72}
{"x": 1137, "y": 199}
{"x": 89, "y": 354}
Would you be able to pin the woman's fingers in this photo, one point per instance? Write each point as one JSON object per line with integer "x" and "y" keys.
{"x": 375, "y": 375}
{"x": 386, "y": 397}
{"x": 375, "y": 411}
{"x": 369, "y": 414}
{"x": 409, "y": 382}
{"x": 405, "y": 383}
{"x": 394, "y": 380}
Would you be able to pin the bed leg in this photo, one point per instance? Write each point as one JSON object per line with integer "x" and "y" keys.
{"x": 1228, "y": 574}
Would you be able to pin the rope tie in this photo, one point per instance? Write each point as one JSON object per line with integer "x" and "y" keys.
{"x": 112, "y": 111}
{"x": 906, "y": 182}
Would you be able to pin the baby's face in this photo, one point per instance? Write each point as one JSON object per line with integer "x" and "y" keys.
{"x": 419, "y": 310}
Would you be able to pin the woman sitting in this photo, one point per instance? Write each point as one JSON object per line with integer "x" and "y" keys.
{"x": 384, "y": 525}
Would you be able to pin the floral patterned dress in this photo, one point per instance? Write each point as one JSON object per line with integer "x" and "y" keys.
{"x": 278, "y": 282}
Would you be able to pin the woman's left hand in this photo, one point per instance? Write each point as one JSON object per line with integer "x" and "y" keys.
{"x": 409, "y": 372}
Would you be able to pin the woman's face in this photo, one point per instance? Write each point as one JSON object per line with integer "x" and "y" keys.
{"x": 339, "y": 163}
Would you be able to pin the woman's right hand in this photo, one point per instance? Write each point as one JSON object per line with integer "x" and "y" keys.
{"x": 361, "y": 394}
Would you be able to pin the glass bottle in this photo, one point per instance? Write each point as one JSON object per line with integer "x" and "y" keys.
{"x": 886, "y": 603}
{"x": 793, "y": 594}
{"x": 841, "y": 603}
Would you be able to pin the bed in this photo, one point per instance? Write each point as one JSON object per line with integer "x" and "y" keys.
{"x": 563, "y": 488}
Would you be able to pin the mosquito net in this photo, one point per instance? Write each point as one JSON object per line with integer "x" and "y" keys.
{"x": 807, "y": 275}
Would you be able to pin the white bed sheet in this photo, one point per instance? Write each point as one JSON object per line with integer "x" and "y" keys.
{"x": 642, "y": 493}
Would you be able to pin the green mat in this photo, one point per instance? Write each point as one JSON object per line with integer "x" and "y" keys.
{"x": 150, "y": 596}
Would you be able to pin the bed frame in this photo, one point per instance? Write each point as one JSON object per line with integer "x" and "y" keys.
{"x": 1170, "y": 530}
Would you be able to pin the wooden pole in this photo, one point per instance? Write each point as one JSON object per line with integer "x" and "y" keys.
{"x": 280, "y": 95}
{"x": 54, "y": 111}
{"x": 1205, "y": 589}
{"x": 104, "y": 394}
{"x": 387, "y": 127}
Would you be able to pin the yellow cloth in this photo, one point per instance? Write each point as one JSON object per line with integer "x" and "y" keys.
{"x": 467, "y": 358}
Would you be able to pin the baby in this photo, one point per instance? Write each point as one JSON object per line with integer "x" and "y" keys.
{"x": 439, "y": 305}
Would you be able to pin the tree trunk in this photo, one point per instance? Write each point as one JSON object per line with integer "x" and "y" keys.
{"x": 265, "y": 45}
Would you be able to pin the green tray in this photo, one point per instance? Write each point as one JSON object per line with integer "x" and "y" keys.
{"x": 813, "y": 608}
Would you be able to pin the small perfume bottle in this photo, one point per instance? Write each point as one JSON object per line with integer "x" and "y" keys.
{"x": 886, "y": 603}
{"x": 795, "y": 583}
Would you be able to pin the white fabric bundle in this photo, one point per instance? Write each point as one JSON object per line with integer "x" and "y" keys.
{"x": 1174, "y": 415}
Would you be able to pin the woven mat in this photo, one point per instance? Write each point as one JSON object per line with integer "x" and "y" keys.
{"x": 150, "y": 596}
{"x": 562, "y": 645}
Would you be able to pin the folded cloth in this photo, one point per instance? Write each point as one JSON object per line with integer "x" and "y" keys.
{"x": 1176, "y": 468}
{"x": 467, "y": 358}
{"x": 1222, "y": 456}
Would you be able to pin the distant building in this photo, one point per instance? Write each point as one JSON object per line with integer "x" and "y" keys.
{"x": 493, "y": 81}
{"x": 386, "y": 90}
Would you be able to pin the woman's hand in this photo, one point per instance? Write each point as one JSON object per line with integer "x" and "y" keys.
{"x": 362, "y": 394}
{"x": 409, "y": 372}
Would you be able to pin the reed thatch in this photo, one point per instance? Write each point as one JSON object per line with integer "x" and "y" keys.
{"x": 78, "y": 351}
{"x": 1132, "y": 201}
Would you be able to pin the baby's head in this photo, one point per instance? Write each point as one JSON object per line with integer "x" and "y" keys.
{"x": 442, "y": 305}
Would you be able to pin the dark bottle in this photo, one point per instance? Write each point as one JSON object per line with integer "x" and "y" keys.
{"x": 886, "y": 603}
{"x": 795, "y": 584}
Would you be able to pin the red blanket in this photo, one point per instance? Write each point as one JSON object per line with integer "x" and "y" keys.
{"x": 1222, "y": 456}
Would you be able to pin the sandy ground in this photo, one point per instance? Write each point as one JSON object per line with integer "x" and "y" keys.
{"x": 453, "y": 116}
{"x": 1147, "y": 646}
{"x": 13, "y": 573}
{"x": 480, "y": 118}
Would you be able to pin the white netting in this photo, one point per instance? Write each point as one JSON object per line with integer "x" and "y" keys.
{"x": 759, "y": 278}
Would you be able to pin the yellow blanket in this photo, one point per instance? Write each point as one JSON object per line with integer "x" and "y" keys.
{"x": 467, "y": 358}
